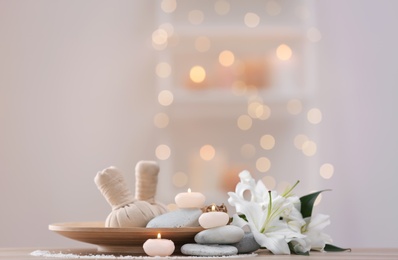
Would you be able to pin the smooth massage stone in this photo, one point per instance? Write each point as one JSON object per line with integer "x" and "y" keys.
{"x": 176, "y": 219}
{"x": 220, "y": 235}
{"x": 247, "y": 245}
{"x": 208, "y": 250}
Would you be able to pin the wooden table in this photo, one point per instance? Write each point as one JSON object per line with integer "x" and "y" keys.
{"x": 366, "y": 254}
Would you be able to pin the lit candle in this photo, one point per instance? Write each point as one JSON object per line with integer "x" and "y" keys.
{"x": 213, "y": 218}
{"x": 190, "y": 199}
{"x": 159, "y": 247}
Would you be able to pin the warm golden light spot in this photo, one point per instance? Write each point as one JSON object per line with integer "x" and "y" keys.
{"x": 226, "y": 58}
{"x": 283, "y": 52}
{"x": 245, "y": 122}
{"x": 326, "y": 170}
{"x": 172, "y": 207}
{"x": 168, "y": 6}
{"x": 161, "y": 120}
{"x": 272, "y": 8}
{"x": 263, "y": 112}
{"x": 163, "y": 152}
{"x": 309, "y": 148}
{"x": 159, "y": 37}
{"x": 314, "y": 116}
{"x": 251, "y": 20}
{"x": 294, "y": 106}
{"x": 269, "y": 182}
{"x": 314, "y": 35}
{"x": 202, "y": 44}
{"x": 299, "y": 141}
{"x": 163, "y": 70}
{"x": 267, "y": 142}
{"x": 252, "y": 108}
{"x": 207, "y": 152}
{"x": 180, "y": 179}
{"x": 197, "y": 74}
{"x": 263, "y": 164}
{"x": 195, "y": 17}
{"x": 221, "y": 7}
{"x": 248, "y": 151}
{"x": 165, "y": 98}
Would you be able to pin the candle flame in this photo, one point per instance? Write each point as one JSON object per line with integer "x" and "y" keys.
{"x": 159, "y": 236}
{"x": 189, "y": 190}
{"x": 213, "y": 207}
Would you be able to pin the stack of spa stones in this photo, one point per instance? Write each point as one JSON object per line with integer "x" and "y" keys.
{"x": 219, "y": 238}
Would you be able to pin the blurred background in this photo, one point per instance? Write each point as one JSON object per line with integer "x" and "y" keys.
{"x": 289, "y": 90}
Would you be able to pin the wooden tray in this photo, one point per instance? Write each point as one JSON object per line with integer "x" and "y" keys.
{"x": 121, "y": 240}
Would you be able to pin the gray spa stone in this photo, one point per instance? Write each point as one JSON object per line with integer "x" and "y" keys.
{"x": 220, "y": 235}
{"x": 247, "y": 245}
{"x": 176, "y": 219}
{"x": 208, "y": 250}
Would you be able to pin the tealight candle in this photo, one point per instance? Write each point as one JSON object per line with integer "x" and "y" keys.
{"x": 190, "y": 199}
{"x": 213, "y": 219}
{"x": 159, "y": 247}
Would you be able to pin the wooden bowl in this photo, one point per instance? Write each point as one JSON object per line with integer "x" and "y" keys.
{"x": 122, "y": 240}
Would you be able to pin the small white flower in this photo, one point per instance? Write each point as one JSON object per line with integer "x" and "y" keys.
{"x": 267, "y": 214}
{"x": 314, "y": 231}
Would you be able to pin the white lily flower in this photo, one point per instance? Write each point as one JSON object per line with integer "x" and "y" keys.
{"x": 264, "y": 213}
{"x": 314, "y": 231}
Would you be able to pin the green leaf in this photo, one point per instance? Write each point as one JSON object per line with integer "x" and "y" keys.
{"x": 242, "y": 216}
{"x": 332, "y": 248}
{"x": 307, "y": 203}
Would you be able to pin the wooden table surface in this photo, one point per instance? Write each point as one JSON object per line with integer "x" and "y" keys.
{"x": 366, "y": 254}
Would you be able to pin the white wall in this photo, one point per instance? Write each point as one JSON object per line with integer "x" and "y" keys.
{"x": 77, "y": 94}
{"x": 358, "y": 95}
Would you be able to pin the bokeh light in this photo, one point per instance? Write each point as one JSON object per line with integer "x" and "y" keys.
{"x": 252, "y": 108}
{"x": 267, "y": 142}
{"x": 314, "y": 116}
{"x": 207, "y": 152}
{"x": 245, "y": 122}
{"x": 263, "y": 112}
{"x": 299, "y": 141}
{"x": 163, "y": 152}
{"x": 197, "y": 74}
{"x": 226, "y": 58}
{"x": 163, "y": 70}
{"x": 159, "y": 36}
{"x": 168, "y": 6}
{"x": 263, "y": 164}
{"x": 284, "y": 52}
{"x": 309, "y": 148}
{"x": 222, "y": 7}
{"x": 251, "y": 20}
{"x": 161, "y": 120}
{"x": 326, "y": 170}
{"x": 165, "y": 98}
